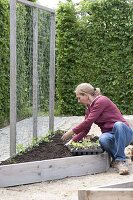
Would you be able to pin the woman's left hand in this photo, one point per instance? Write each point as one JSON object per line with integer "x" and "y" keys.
{"x": 67, "y": 135}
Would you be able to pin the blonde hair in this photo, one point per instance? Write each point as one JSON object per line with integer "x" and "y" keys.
{"x": 87, "y": 88}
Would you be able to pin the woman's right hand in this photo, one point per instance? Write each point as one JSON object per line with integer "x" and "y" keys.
{"x": 67, "y": 135}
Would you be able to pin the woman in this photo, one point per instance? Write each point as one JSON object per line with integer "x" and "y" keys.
{"x": 116, "y": 133}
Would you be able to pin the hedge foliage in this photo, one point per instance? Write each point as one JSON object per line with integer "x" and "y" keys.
{"x": 95, "y": 45}
{"x": 4, "y": 61}
{"x": 24, "y": 61}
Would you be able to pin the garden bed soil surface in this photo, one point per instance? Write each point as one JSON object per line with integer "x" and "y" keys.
{"x": 45, "y": 150}
{"x": 54, "y": 148}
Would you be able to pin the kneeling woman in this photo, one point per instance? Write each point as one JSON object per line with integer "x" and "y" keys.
{"x": 116, "y": 133}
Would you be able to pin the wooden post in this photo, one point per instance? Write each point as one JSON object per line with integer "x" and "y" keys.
{"x": 52, "y": 74}
{"x": 35, "y": 70}
{"x": 13, "y": 73}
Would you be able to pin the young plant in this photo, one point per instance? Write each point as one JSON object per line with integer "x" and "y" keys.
{"x": 85, "y": 144}
{"x": 20, "y": 149}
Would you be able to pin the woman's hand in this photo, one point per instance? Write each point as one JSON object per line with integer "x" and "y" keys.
{"x": 67, "y": 135}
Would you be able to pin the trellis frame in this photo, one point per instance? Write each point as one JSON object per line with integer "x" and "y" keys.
{"x": 13, "y": 69}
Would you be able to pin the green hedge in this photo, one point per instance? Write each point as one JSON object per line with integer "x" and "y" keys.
{"x": 95, "y": 44}
{"x": 4, "y": 62}
{"x": 24, "y": 61}
{"x": 66, "y": 57}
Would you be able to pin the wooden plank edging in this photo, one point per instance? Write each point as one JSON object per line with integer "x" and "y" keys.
{"x": 31, "y": 172}
{"x": 122, "y": 191}
{"x": 106, "y": 193}
{"x": 125, "y": 184}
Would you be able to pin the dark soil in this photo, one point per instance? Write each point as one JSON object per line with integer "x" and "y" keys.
{"x": 46, "y": 150}
{"x": 52, "y": 149}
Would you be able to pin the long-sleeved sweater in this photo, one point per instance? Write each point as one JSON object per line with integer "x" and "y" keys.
{"x": 102, "y": 112}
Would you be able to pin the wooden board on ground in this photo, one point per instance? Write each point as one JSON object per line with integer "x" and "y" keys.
{"x": 122, "y": 191}
{"x": 106, "y": 193}
{"x": 31, "y": 172}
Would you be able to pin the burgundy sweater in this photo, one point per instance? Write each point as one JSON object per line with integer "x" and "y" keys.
{"x": 102, "y": 112}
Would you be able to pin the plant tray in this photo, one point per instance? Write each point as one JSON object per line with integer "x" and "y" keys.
{"x": 90, "y": 151}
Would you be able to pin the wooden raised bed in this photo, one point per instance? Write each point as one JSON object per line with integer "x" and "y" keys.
{"x": 31, "y": 172}
{"x": 122, "y": 191}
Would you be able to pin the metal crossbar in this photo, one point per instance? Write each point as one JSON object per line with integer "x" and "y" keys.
{"x": 36, "y": 5}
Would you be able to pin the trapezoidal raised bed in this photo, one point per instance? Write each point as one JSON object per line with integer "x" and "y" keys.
{"x": 45, "y": 170}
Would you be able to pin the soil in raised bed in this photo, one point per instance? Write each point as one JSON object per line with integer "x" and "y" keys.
{"x": 52, "y": 149}
{"x": 46, "y": 150}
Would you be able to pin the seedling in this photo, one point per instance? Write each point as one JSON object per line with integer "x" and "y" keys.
{"x": 85, "y": 144}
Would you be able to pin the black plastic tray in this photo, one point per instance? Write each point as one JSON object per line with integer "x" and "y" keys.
{"x": 89, "y": 151}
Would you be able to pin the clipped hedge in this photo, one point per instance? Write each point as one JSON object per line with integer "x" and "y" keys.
{"x": 4, "y": 62}
{"x": 66, "y": 57}
{"x": 101, "y": 52}
{"x": 24, "y": 60}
